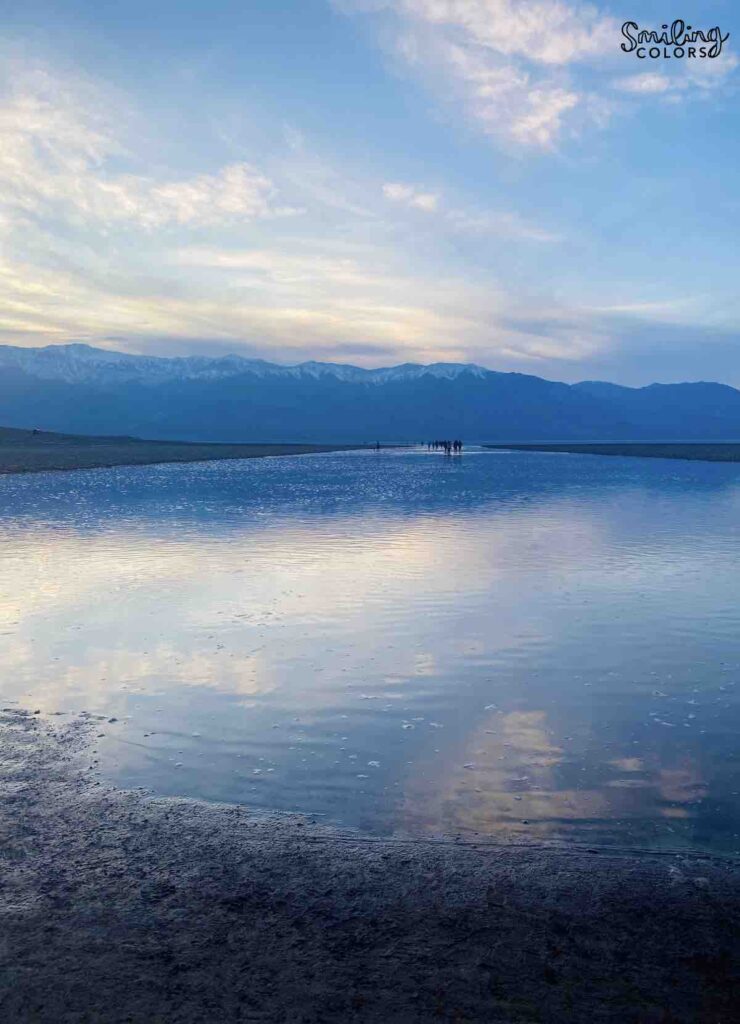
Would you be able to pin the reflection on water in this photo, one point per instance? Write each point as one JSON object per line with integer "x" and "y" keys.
{"x": 519, "y": 645}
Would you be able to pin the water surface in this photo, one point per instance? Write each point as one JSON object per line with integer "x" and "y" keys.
{"x": 520, "y": 645}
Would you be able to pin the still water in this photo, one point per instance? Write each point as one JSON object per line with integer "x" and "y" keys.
{"x": 520, "y": 645}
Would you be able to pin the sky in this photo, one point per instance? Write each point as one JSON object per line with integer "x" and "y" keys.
{"x": 372, "y": 182}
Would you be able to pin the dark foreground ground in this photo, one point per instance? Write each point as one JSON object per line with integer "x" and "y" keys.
{"x": 720, "y": 451}
{"x": 22, "y": 451}
{"x": 115, "y": 907}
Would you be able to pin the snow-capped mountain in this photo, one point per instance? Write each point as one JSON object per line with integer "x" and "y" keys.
{"x": 83, "y": 390}
{"x": 77, "y": 363}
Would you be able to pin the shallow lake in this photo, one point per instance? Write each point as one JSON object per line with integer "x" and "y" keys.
{"x": 526, "y": 646}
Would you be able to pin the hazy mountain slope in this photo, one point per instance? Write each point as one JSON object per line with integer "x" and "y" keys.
{"x": 83, "y": 390}
{"x": 686, "y": 405}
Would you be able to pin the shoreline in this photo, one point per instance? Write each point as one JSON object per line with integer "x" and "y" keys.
{"x": 22, "y": 451}
{"x": 693, "y": 451}
{"x": 122, "y": 907}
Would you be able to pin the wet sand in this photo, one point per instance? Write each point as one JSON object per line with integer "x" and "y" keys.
{"x": 710, "y": 451}
{"x": 22, "y": 451}
{"x": 117, "y": 907}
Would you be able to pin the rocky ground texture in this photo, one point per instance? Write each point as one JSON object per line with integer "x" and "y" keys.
{"x": 116, "y": 907}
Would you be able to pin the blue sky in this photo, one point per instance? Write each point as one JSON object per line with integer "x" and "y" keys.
{"x": 372, "y": 181}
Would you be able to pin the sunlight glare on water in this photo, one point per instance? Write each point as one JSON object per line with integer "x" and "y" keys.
{"x": 521, "y": 645}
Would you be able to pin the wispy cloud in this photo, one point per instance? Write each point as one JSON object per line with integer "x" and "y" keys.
{"x": 547, "y": 31}
{"x": 499, "y": 223}
{"x": 103, "y": 243}
{"x": 98, "y": 240}
{"x": 410, "y": 195}
{"x": 60, "y": 157}
{"x": 646, "y": 82}
{"x": 696, "y": 78}
{"x": 503, "y": 223}
{"x": 506, "y": 62}
{"x": 528, "y": 73}
{"x": 295, "y": 302}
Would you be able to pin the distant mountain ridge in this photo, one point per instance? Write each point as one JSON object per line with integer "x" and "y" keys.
{"x": 78, "y": 362}
{"x": 80, "y": 389}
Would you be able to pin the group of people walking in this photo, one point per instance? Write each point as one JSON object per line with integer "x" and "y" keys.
{"x": 448, "y": 447}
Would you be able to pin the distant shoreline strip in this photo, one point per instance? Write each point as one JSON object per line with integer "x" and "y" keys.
{"x": 694, "y": 451}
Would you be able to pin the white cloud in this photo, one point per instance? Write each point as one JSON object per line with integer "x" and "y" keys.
{"x": 501, "y": 97}
{"x": 698, "y": 77}
{"x": 293, "y": 302}
{"x": 105, "y": 247}
{"x": 410, "y": 195}
{"x": 506, "y": 62}
{"x": 56, "y": 159}
{"x": 96, "y": 243}
{"x": 528, "y": 73}
{"x": 541, "y": 119}
{"x": 302, "y": 269}
{"x": 711, "y": 74}
{"x": 501, "y": 223}
{"x": 236, "y": 192}
{"x": 472, "y": 222}
{"x": 544, "y": 31}
{"x": 647, "y": 82}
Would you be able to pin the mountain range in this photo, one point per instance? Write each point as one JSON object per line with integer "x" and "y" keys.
{"x": 80, "y": 389}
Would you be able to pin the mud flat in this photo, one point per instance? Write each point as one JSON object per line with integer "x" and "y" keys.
{"x": 720, "y": 451}
{"x": 118, "y": 907}
{"x": 26, "y": 451}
